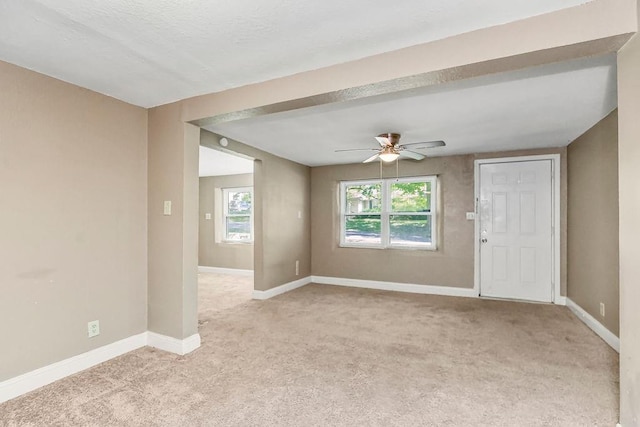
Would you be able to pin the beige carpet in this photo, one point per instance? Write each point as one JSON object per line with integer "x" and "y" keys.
{"x": 323, "y": 355}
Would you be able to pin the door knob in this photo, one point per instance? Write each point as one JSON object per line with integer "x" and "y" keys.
{"x": 483, "y": 240}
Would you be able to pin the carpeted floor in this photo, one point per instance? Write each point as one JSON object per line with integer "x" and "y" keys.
{"x": 324, "y": 355}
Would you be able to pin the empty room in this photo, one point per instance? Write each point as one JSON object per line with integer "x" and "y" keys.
{"x": 303, "y": 213}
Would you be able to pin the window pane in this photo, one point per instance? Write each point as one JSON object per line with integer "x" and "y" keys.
{"x": 364, "y": 198}
{"x": 363, "y": 229}
{"x": 238, "y": 228}
{"x": 239, "y": 202}
{"x": 412, "y": 230}
{"x": 411, "y": 197}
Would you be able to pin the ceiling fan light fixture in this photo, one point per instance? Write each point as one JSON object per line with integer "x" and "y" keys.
{"x": 389, "y": 157}
{"x": 389, "y": 154}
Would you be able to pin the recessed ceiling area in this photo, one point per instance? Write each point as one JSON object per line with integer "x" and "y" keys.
{"x": 152, "y": 52}
{"x": 546, "y": 106}
{"x": 217, "y": 163}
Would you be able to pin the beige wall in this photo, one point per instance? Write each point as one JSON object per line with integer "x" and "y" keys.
{"x": 73, "y": 194}
{"x": 593, "y": 221}
{"x": 281, "y": 191}
{"x": 215, "y": 252}
{"x": 451, "y": 265}
{"x": 629, "y": 223}
{"x": 173, "y": 239}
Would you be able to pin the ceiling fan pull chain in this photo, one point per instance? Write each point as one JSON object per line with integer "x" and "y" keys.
{"x": 380, "y": 168}
{"x": 398, "y": 169}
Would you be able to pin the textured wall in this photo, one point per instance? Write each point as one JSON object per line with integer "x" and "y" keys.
{"x": 282, "y": 215}
{"x": 450, "y": 265}
{"x": 593, "y": 221}
{"x": 629, "y": 200}
{"x": 172, "y": 243}
{"x": 73, "y": 167}
{"x": 213, "y": 252}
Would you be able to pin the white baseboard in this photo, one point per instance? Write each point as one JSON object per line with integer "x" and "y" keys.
{"x": 16, "y": 386}
{"x": 597, "y": 327}
{"x": 398, "y": 287}
{"x": 220, "y": 270}
{"x": 270, "y": 293}
{"x": 30, "y": 381}
{"x": 173, "y": 345}
{"x": 560, "y": 300}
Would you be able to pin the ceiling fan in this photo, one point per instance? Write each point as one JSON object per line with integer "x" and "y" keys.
{"x": 390, "y": 148}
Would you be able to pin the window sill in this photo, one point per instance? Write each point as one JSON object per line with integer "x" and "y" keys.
{"x": 401, "y": 247}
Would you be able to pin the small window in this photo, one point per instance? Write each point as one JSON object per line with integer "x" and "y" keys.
{"x": 238, "y": 214}
{"x": 390, "y": 213}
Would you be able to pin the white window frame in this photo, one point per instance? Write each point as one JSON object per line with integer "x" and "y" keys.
{"x": 225, "y": 212}
{"x": 385, "y": 213}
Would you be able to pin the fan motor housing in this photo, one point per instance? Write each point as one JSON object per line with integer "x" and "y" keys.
{"x": 394, "y": 138}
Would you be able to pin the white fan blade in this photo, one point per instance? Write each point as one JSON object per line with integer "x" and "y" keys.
{"x": 411, "y": 155}
{"x": 384, "y": 141}
{"x": 426, "y": 144}
{"x": 372, "y": 158}
{"x": 357, "y": 149}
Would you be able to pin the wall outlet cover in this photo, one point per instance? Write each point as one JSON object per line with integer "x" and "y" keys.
{"x": 93, "y": 328}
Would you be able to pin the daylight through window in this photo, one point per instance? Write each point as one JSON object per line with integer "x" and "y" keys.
{"x": 390, "y": 213}
{"x": 238, "y": 214}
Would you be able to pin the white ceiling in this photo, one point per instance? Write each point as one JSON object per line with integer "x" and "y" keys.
{"x": 216, "y": 163}
{"x": 546, "y": 106}
{"x": 151, "y": 52}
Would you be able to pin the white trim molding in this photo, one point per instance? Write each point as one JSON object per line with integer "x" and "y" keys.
{"x": 17, "y": 386}
{"x": 221, "y": 270}
{"x": 555, "y": 212}
{"x": 30, "y": 381}
{"x": 597, "y": 327}
{"x": 173, "y": 345}
{"x": 278, "y": 290}
{"x": 398, "y": 287}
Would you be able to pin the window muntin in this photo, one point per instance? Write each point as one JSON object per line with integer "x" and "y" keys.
{"x": 238, "y": 214}
{"x": 390, "y": 213}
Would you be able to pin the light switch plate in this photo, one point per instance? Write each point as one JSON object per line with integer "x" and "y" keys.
{"x": 207, "y": 216}
{"x": 167, "y": 207}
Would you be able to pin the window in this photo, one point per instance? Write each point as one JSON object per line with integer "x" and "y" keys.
{"x": 389, "y": 213}
{"x": 237, "y": 217}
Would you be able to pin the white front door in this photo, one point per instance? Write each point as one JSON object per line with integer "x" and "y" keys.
{"x": 516, "y": 230}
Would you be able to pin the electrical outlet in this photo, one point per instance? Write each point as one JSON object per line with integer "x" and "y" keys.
{"x": 297, "y": 268}
{"x": 93, "y": 328}
{"x": 602, "y": 309}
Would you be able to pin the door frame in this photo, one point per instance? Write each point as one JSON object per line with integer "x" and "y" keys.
{"x": 555, "y": 219}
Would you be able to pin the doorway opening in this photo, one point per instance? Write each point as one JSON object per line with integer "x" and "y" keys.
{"x": 226, "y": 231}
{"x": 517, "y": 233}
